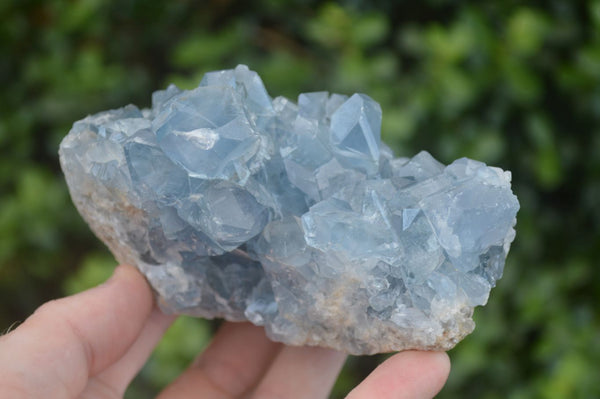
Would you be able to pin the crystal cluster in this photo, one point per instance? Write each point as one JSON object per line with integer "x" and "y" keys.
{"x": 292, "y": 216}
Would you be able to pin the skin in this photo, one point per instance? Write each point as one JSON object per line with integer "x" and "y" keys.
{"x": 91, "y": 345}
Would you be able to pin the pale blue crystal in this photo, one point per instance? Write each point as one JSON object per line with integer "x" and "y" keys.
{"x": 356, "y": 133}
{"x": 248, "y": 84}
{"x": 225, "y": 212}
{"x": 206, "y": 132}
{"x": 292, "y": 216}
{"x": 161, "y": 97}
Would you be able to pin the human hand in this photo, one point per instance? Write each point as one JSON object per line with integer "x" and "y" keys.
{"x": 91, "y": 345}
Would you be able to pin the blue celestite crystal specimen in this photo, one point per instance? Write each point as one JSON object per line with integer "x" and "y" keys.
{"x": 293, "y": 216}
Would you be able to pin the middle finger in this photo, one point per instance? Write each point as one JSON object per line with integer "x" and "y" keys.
{"x": 232, "y": 365}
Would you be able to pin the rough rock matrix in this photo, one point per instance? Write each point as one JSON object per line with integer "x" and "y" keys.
{"x": 293, "y": 216}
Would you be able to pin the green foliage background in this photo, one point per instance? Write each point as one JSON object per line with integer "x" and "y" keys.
{"x": 515, "y": 84}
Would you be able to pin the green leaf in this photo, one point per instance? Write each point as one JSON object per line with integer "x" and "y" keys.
{"x": 95, "y": 269}
{"x": 527, "y": 29}
{"x": 369, "y": 30}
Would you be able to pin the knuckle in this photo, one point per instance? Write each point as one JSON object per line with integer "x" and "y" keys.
{"x": 55, "y": 315}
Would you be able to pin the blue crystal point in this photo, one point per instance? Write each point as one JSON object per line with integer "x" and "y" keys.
{"x": 293, "y": 216}
{"x": 206, "y": 132}
{"x": 356, "y": 133}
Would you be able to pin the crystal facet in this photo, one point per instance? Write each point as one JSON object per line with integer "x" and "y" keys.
{"x": 292, "y": 216}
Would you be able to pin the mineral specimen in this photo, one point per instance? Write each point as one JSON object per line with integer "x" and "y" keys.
{"x": 293, "y": 216}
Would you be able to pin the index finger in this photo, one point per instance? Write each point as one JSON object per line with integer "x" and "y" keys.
{"x": 54, "y": 352}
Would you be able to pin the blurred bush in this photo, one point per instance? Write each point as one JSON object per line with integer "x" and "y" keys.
{"x": 513, "y": 85}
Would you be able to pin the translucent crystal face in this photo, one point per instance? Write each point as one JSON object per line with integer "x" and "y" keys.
{"x": 292, "y": 216}
{"x": 355, "y": 133}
